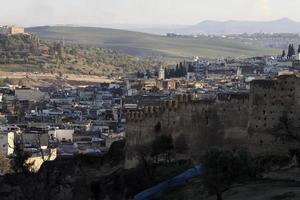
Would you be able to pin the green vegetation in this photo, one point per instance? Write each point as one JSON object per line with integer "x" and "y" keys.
{"x": 97, "y": 51}
{"x": 163, "y": 145}
{"x": 148, "y": 45}
{"x": 27, "y": 53}
{"x": 221, "y": 169}
{"x": 6, "y": 81}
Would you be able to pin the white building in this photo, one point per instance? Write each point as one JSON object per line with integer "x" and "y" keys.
{"x": 4, "y": 30}
{"x": 297, "y": 56}
{"x": 30, "y": 94}
{"x": 7, "y": 143}
{"x": 191, "y": 76}
{"x": 62, "y": 135}
{"x": 161, "y": 75}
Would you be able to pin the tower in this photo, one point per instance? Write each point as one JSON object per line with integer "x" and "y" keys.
{"x": 239, "y": 72}
{"x": 161, "y": 75}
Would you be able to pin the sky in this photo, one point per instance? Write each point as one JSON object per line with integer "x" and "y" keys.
{"x": 142, "y": 12}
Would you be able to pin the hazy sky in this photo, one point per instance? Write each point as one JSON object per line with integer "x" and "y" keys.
{"x": 97, "y": 12}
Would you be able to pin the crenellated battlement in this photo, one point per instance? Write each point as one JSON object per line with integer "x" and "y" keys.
{"x": 225, "y": 118}
{"x": 149, "y": 111}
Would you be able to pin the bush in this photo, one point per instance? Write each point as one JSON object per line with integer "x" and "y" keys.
{"x": 221, "y": 169}
{"x": 162, "y": 145}
{"x": 116, "y": 152}
{"x": 181, "y": 144}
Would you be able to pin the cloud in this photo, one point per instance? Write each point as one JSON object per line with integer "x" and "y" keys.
{"x": 264, "y": 6}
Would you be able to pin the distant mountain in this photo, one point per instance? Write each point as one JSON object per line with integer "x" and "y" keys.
{"x": 158, "y": 29}
{"x": 283, "y": 25}
{"x": 149, "y": 45}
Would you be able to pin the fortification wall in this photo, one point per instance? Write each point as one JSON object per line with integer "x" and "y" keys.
{"x": 203, "y": 122}
{"x": 272, "y": 102}
{"x": 231, "y": 120}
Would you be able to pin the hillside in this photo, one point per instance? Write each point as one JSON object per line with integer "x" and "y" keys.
{"x": 27, "y": 53}
{"x": 283, "y": 25}
{"x": 148, "y": 45}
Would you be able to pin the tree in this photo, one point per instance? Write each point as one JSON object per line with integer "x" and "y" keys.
{"x": 191, "y": 68}
{"x": 286, "y": 130}
{"x": 177, "y": 73}
{"x": 283, "y": 54}
{"x": 222, "y": 169}
{"x": 166, "y": 73}
{"x": 181, "y": 144}
{"x": 116, "y": 152}
{"x": 162, "y": 145}
{"x": 291, "y": 51}
{"x": 43, "y": 184}
{"x": 157, "y": 127}
{"x": 19, "y": 162}
{"x": 7, "y": 81}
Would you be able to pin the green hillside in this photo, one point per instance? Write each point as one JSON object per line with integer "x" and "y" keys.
{"x": 142, "y": 44}
{"x": 24, "y": 53}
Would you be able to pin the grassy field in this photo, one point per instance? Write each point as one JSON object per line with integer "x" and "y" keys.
{"x": 148, "y": 45}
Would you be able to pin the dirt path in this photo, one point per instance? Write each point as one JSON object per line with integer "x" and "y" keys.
{"x": 49, "y": 76}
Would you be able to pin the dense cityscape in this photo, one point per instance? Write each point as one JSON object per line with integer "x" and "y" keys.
{"x": 198, "y": 112}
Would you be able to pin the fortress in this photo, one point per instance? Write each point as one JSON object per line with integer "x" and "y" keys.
{"x": 11, "y": 30}
{"x": 233, "y": 119}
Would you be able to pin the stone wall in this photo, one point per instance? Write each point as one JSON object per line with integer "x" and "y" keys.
{"x": 202, "y": 122}
{"x": 272, "y": 101}
{"x": 230, "y": 119}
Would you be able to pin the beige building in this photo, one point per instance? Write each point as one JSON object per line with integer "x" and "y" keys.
{"x": 16, "y": 30}
{"x": 11, "y": 30}
{"x": 162, "y": 74}
{"x": 62, "y": 135}
{"x": 23, "y": 94}
{"x": 271, "y": 101}
{"x": 7, "y": 143}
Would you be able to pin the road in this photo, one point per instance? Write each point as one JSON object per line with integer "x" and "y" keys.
{"x": 49, "y": 76}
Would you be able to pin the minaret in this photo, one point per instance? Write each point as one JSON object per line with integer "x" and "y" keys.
{"x": 239, "y": 72}
{"x": 162, "y": 74}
